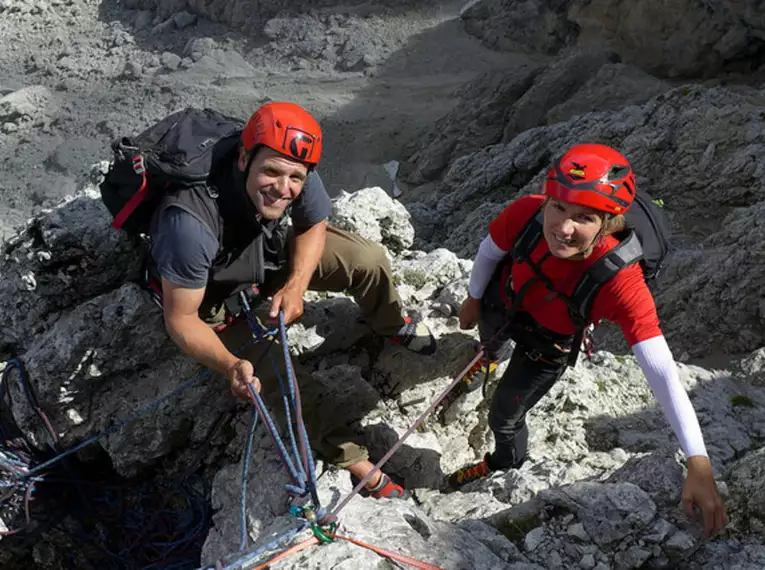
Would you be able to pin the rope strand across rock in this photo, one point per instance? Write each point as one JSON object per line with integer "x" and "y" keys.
{"x": 299, "y": 464}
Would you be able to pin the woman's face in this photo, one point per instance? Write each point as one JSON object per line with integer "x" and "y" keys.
{"x": 569, "y": 228}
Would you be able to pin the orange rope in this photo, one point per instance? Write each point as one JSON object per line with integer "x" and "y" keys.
{"x": 376, "y": 549}
{"x": 289, "y": 552}
{"x": 392, "y": 555}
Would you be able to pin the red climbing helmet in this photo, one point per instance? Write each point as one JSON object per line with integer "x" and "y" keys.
{"x": 287, "y": 128}
{"x": 592, "y": 175}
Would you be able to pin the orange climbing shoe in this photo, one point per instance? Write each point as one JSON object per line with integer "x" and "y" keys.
{"x": 465, "y": 475}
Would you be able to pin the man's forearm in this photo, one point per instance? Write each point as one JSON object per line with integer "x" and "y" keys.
{"x": 199, "y": 341}
{"x": 307, "y": 249}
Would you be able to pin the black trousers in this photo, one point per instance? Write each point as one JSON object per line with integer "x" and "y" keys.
{"x": 522, "y": 385}
{"x": 537, "y": 362}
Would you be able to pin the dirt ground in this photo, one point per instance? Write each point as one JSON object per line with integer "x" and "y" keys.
{"x": 78, "y": 73}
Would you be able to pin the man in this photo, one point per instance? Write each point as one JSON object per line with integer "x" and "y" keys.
{"x": 210, "y": 245}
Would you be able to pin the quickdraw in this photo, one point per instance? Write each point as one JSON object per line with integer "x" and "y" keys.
{"x": 323, "y": 532}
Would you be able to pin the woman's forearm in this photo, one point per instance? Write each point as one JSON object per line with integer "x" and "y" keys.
{"x": 660, "y": 369}
{"x": 489, "y": 254}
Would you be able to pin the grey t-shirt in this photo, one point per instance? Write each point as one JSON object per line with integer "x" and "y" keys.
{"x": 183, "y": 248}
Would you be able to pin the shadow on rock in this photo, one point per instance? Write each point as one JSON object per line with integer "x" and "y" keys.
{"x": 416, "y": 464}
{"x": 603, "y": 482}
{"x": 399, "y": 372}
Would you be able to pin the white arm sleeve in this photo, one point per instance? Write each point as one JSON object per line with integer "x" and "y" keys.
{"x": 489, "y": 254}
{"x": 655, "y": 359}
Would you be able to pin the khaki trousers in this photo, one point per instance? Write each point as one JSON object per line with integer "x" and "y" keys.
{"x": 359, "y": 267}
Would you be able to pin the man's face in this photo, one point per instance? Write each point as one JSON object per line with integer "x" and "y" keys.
{"x": 274, "y": 181}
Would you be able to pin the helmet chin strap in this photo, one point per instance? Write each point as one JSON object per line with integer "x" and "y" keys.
{"x": 240, "y": 186}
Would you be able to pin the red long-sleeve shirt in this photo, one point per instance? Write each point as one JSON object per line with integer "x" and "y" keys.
{"x": 624, "y": 300}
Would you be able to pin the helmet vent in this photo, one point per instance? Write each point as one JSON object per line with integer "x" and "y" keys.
{"x": 618, "y": 172}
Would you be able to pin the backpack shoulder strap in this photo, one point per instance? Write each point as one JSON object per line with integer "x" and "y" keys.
{"x": 603, "y": 270}
{"x": 627, "y": 252}
{"x": 529, "y": 237}
{"x": 523, "y": 246}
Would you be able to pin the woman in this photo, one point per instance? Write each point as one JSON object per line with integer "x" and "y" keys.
{"x": 586, "y": 192}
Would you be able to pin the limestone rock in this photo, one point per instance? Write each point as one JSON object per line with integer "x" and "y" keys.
{"x": 73, "y": 256}
{"x": 613, "y": 86}
{"x": 497, "y": 107}
{"x": 373, "y": 214}
{"x": 26, "y": 107}
{"x": 557, "y": 83}
{"x": 184, "y": 20}
{"x": 662, "y": 141}
{"x": 440, "y": 267}
{"x": 753, "y": 365}
{"x": 684, "y": 39}
{"x": 454, "y": 294}
{"x": 594, "y": 505}
{"x": 661, "y": 477}
{"x": 170, "y": 61}
{"x": 317, "y": 331}
{"x": 525, "y": 25}
{"x": 476, "y": 122}
{"x": 747, "y": 493}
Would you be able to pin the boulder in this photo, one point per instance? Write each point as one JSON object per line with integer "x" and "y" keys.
{"x": 745, "y": 479}
{"x": 684, "y": 39}
{"x": 373, "y": 214}
{"x": 668, "y": 141}
{"x": 26, "y": 107}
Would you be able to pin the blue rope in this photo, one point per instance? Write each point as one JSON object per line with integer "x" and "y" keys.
{"x": 302, "y": 471}
{"x": 298, "y": 488}
{"x": 291, "y": 389}
{"x": 250, "y": 557}
{"x": 288, "y": 416}
{"x": 139, "y": 414}
{"x": 297, "y": 474}
{"x": 295, "y": 394}
{"x": 304, "y": 483}
{"x": 245, "y": 466}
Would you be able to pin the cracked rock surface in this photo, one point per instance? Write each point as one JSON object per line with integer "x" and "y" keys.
{"x": 471, "y": 101}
